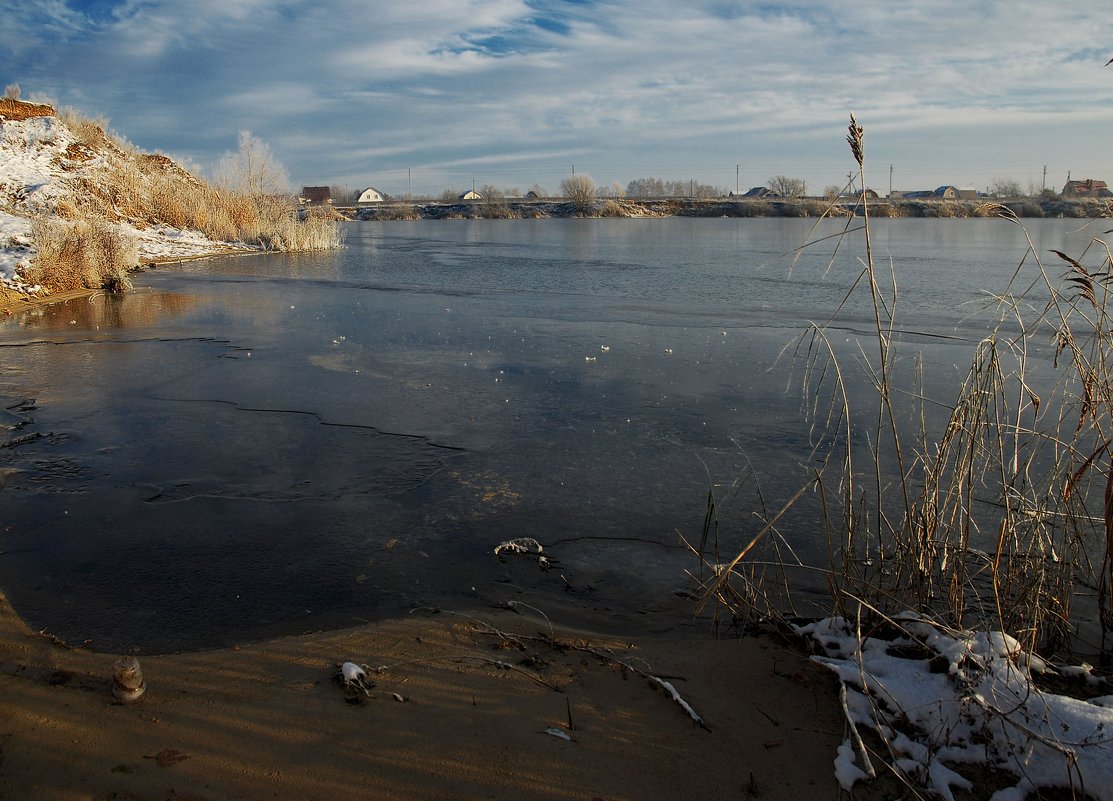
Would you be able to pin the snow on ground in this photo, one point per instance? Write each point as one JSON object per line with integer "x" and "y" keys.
{"x": 941, "y": 699}
{"x": 16, "y": 250}
{"x": 41, "y": 162}
{"x": 33, "y": 162}
{"x": 164, "y": 242}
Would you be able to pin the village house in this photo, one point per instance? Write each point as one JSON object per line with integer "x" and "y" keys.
{"x": 955, "y": 193}
{"x": 946, "y": 192}
{"x": 370, "y": 195}
{"x": 1087, "y": 188}
{"x": 870, "y": 194}
{"x": 315, "y": 195}
{"x": 471, "y": 194}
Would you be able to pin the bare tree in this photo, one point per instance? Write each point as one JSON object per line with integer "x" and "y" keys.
{"x": 788, "y": 187}
{"x": 645, "y": 187}
{"x": 342, "y": 195}
{"x": 832, "y": 191}
{"x": 252, "y": 169}
{"x": 579, "y": 189}
{"x": 539, "y": 190}
{"x": 492, "y": 194}
{"x": 1005, "y": 187}
{"x": 12, "y": 91}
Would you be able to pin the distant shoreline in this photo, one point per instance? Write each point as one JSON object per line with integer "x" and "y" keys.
{"x": 688, "y": 207}
{"x": 12, "y": 301}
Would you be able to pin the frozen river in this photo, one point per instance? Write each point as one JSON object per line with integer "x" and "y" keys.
{"x": 270, "y": 444}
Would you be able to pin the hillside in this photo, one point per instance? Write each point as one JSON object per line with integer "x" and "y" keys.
{"x": 80, "y": 208}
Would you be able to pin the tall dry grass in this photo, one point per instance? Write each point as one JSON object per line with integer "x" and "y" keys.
{"x": 150, "y": 189}
{"x": 997, "y": 513}
{"x": 81, "y": 254}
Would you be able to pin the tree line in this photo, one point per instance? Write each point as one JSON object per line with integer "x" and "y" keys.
{"x": 577, "y": 186}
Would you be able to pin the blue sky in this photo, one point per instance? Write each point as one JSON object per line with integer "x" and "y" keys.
{"x": 515, "y": 92}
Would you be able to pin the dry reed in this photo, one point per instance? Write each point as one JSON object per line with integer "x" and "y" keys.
{"x": 83, "y": 248}
{"x": 1000, "y": 517}
{"x": 81, "y": 254}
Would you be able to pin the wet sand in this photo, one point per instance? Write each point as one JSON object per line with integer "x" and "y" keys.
{"x": 267, "y": 720}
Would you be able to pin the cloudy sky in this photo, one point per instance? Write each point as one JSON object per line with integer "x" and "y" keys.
{"x": 513, "y": 93}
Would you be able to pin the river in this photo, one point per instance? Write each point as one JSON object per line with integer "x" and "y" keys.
{"x": 259, "y": 445}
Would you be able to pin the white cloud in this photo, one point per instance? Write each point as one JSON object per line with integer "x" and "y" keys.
{"x": 345, "y": 87}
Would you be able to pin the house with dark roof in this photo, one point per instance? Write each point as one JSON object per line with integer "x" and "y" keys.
{"x": 316, "y": 195}
{"x": 955, "y": 193}
{"x": 1088, "y": 188}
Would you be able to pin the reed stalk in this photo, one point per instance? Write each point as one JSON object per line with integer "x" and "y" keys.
{"x": 1000, "y": 517}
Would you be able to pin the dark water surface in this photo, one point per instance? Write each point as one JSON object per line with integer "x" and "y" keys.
{"x": 271, "y": 444}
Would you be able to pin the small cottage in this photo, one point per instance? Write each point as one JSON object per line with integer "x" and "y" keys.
{"x": 870, "y": 194}
{"x": 316, "y": 195}
{"x": 955, "y": 193}
{"x": 471, "y": 194}
{"x": 1088, "y": 188}
{"x": 370, "y": 195}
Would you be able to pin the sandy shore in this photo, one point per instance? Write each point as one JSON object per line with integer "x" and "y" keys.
{"x": 267, "y": 720}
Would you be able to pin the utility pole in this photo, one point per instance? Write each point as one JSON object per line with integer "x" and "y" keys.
{"x": 1044, "y": 187}
{"x": 737, "y": 168}
{"x": 850, "y": 181}
{"x": 410, "y": 179}
{"x": 691, "y": 187}
{"x": 890, "y": 180}
{"x": 573, "y": 169}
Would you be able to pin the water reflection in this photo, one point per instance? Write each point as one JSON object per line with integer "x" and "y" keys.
{"x": 137, "y": 309}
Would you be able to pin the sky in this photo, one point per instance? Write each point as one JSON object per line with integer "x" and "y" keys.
{"x": 424, "y": 96}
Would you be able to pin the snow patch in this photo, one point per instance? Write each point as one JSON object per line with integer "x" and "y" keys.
{"x": 970, "y": 699}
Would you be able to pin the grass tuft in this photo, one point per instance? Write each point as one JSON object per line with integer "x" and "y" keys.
{"x": 81, "y": 254}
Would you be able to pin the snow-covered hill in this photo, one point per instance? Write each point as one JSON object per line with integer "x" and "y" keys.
{"x": 50, "y": 171}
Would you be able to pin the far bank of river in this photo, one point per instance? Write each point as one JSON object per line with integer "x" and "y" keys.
{"x": 517, "y": 208}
